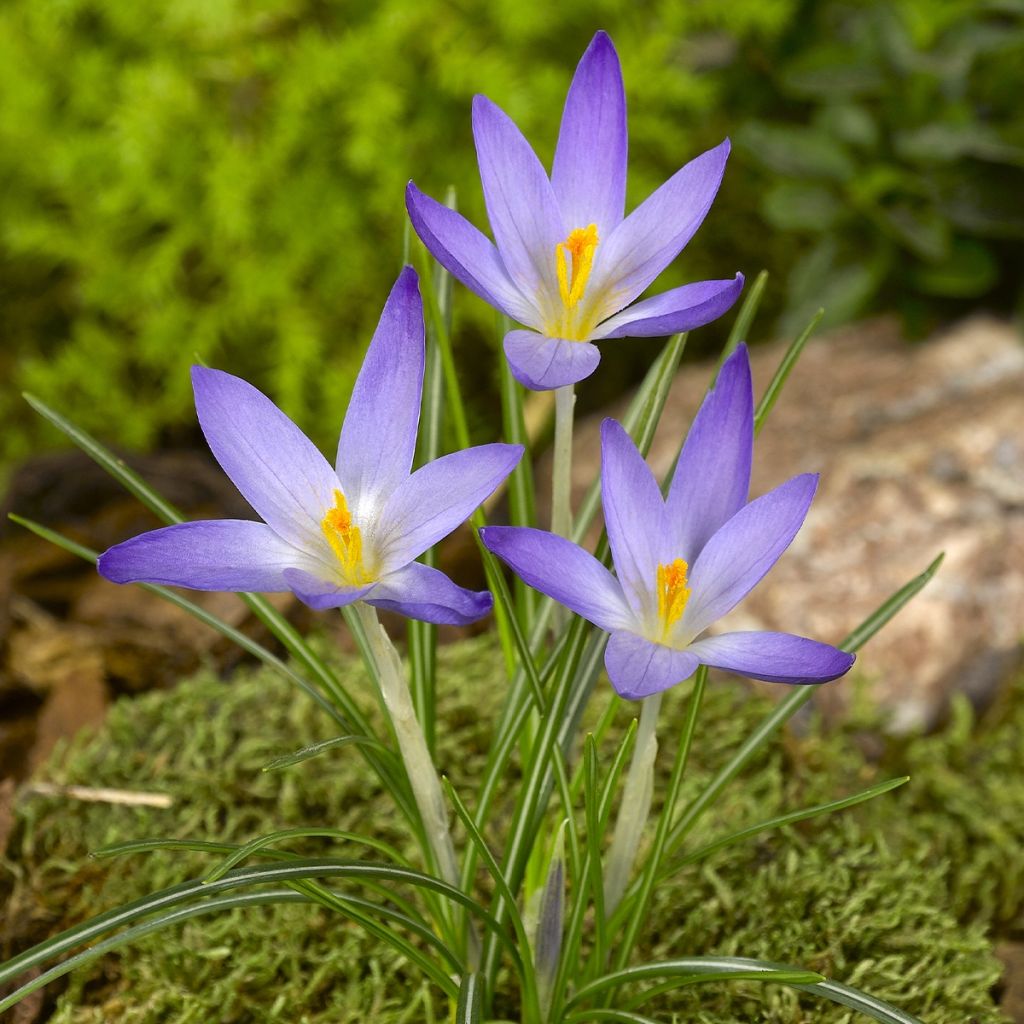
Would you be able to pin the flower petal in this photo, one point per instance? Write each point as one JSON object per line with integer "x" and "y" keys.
{"x": 679, "y": 309}
{"x": 562, "y": 570}
{"x": 320, "y": 594}
{"x": 378, "y": 438}
{"x": 521, "y": 206}
{"x": 638, "y": 668}
{"x": 774, "y": 657}
{"x": 640, "y": 248}
{"x": 215, "y": 554}
{"x": 420, "y": 592}
{"x": 468, "y": 254}
{"x": 273, "y": 464}
{"x": 543, "y": 363}
{"x": 742, "y": 551}
{"x": 437, "y": 498}
{"x": 589, "y": 172}
{"x": 712, "y": 477}
{"x": 633, "y": 516}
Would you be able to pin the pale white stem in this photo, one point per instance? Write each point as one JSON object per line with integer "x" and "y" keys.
{"x": 561, "y": 472}
{"x": 635, "y": 805}
{"x": 426, "y": 787}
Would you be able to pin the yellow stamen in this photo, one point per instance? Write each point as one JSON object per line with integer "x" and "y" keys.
{"x": 346, "y": 540}
{"x": 673, "y": 593}
{"x": 573, "y": 274}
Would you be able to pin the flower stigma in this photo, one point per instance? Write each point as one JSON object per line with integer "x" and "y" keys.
{"x": 346, "y": 541}
{"x": 574, "y": 259}
{"x": 673, "y": 593}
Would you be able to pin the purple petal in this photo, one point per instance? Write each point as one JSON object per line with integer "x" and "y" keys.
{"x": 680, "y": 309}
{"x": 437, "y": 498}
{"x": 589, "y": 172}
{"x": 216, "y": 554}
{"x": 466, "y": 253}
{"x": 521, "y": 206}
{"x": 419, "y": 592}
{"x": 742, "y": 551}
{"x": 562, "y": 570}
{"x": 638, "y": 668}
{"x": 640, "y": 248}
{"x": 774, "y": 657}
{"x": 271, "y": 462}
{"x": 378, "y": 439}
{"x": 319, "y": 593}
{"x": 633, "y": 516}
{"x": 712, "y": 477}
{"x": 543, "y": 363}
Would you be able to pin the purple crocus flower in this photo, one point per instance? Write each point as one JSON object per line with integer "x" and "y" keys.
{"x": 566, "y": 264}
{"x": 330, "y": 535}
{"x": 683, "y": 562}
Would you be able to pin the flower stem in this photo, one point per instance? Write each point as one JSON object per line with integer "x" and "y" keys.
{"x": 426, "y": 788}
{"x": 635, "y": 806}
{"x": 561, "y": 473}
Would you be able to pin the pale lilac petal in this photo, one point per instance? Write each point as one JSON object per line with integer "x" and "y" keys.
{"x": 589, "y": 172}
{"x": 736, "y": 558}
{"x": 469, "y": 255}
{"x": 273, "y": 464}
{"x": 521, "y": 206}
{"x": 633, "y": 516}
{"x": 437, "y": 498}
{"x": 774, "y": 657}
{"x": 319, "y": 593}
{"x": 712, "y": 477}
{"x": 542, "y": 363}
{"x": 217, "y": 554}
{"x": 562, "y": 570}
{"x": 378, "y": 439}
{"x": 420, "y": 592}
{"x": 680, "y": 309}
{"x": 640, "y": 248}
{"x": 638, "y": 668}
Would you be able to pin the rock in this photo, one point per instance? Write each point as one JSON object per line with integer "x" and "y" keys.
{"x": 920, "y": 450}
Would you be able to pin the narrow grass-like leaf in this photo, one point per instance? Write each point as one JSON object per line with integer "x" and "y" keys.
{"x": 745, "y": 317}
{"x": 525, "y": 964}
{"x": 315, "y": 749}
{"x": 245, "y": 851}
{"x": 467, "y": 1011}
{"x": 785, "y": 819}
{"x": 697, "y": 970}
{"x": 617, "y": 1016}
{"x": 877, "y": 1009}
{"x": 262, "y": 874}
{"x": 789, "y": 706}
{"x": 785, "y": 367}
{"x": 595, "y": 835}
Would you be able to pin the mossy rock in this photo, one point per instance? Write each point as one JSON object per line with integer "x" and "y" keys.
{"x": 900, "y": 896}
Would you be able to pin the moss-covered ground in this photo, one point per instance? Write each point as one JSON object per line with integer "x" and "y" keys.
{"x": 902, "y": 896}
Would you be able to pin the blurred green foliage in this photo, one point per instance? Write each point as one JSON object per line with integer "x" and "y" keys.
{"x": 223, "y": 179}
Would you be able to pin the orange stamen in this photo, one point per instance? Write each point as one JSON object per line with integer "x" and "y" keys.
{"x": 673, "y": 593}
{"x": 345, "y": 540}
{"x": 574, "y": 259}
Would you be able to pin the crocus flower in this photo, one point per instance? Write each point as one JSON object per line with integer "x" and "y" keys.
{"x": 330, "y": 535}
{"x": 566, "y": 264}
{"x": 683, "y": 562}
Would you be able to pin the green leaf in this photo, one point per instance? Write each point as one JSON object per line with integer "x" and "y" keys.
{"x": 782, "y": 372}
{"x": 315, "y": 749}
{"x": 470, "y": 999}
{"x": 796, "y": 151}
{"x": 801, "y": 206}
{"x": 970, "y": 271}
{"x": 697, "y": 970}
{"x": 740, "y": 330}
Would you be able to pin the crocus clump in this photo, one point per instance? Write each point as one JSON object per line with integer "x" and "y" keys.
{"x": 337, "y": 535}
{"x": 567, "y": 263}
{"x": 684, "y": 561}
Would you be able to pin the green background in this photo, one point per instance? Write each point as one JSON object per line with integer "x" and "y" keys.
{"x": 223, "y": 180}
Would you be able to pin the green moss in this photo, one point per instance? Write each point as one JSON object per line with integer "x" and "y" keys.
{"x": 899, "y": 896}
